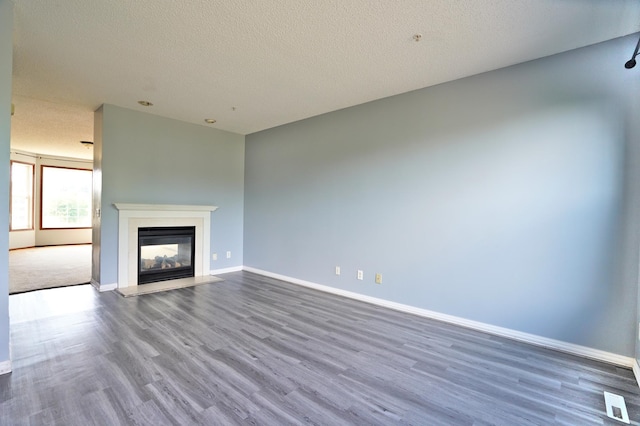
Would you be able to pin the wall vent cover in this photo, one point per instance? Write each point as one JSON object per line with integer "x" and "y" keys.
{"x": 616, "y": 407}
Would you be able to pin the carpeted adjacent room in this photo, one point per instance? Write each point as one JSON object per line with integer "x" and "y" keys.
{"x": 38, "y": 268}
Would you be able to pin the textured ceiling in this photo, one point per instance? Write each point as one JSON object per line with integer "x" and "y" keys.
{"x": 256, "y": 64}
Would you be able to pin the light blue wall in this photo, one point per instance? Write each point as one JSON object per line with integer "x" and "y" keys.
{"x": 6, "y": 60}
{"x": 149, "y": 159}
{"x": 634, "y": 187}
{"x": 502, "y": 198}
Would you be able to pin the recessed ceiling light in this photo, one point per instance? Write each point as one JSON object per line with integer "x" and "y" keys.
{"x": 145, "y": 103}
{"x": 209, "y": 120}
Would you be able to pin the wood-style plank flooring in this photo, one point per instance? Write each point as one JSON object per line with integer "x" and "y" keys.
{"x": 256, "y": 351}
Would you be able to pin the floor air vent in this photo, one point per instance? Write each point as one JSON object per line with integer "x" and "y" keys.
{"x": 616, "y": 408}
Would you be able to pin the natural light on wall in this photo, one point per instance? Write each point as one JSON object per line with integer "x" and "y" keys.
{"x": 21, "y": 196}
{"x": 66, "y": 198}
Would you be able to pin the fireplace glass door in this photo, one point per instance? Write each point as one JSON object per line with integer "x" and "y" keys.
{"x": 165, "y": 253}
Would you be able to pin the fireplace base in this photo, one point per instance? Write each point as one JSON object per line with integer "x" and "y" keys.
{"x": 138, "y": 290}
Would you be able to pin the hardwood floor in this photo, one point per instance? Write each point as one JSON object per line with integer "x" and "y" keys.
{"x": 256, "y": 351}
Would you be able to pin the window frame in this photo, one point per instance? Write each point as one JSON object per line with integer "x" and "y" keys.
{"x": 33, "y": 196}
{"x": 41, "y": 227}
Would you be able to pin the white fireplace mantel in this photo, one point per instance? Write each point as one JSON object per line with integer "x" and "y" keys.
{"x": 164, "y": 207}
{"x": 134, "y": 216}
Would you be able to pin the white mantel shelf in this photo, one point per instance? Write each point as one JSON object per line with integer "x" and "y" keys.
{"x": 164, "y": 207}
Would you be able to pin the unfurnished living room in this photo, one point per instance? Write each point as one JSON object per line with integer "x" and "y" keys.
{"x": 324, "y": 212}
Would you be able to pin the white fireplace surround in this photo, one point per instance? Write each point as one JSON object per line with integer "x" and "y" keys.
{"x": 134, "y": 216}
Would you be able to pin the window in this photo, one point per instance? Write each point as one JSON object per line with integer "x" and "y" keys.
{"x": 66, "y": 198}
{"x": 21, "y": 198}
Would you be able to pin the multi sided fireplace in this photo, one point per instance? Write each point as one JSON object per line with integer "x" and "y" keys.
{"x": 165, "y": 253}
{"x": 132, "y": 217}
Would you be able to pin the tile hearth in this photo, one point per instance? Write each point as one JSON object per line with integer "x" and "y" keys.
{"x": 139, "y": 290}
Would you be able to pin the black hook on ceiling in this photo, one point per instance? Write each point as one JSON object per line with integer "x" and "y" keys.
{"x": 632, "y": 62}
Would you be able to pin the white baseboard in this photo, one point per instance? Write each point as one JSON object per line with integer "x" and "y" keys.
{"x": 103, "y": 287}
{"x": 226, "y": 270}
{"x": 533, "y": 339}
{"x": 95, "y": 284}
{"x": 5, "y": 367}
{"x": 636, "y": 371}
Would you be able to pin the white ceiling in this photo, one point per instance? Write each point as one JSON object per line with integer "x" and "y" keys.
{"x": 256, "y": 64}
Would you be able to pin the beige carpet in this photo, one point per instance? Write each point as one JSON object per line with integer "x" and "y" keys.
{"x": 46, "y": 267}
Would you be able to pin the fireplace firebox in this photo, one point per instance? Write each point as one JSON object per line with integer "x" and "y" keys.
{"x": 165, "y": 253}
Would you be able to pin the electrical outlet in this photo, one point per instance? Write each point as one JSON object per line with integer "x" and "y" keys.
{"x": 337, "y": 270}
{"x": 378, "y": 278}
{"x": 360, "y": 274}
{"x": 228, "y": 255}
{"x": 214, "y": 256}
